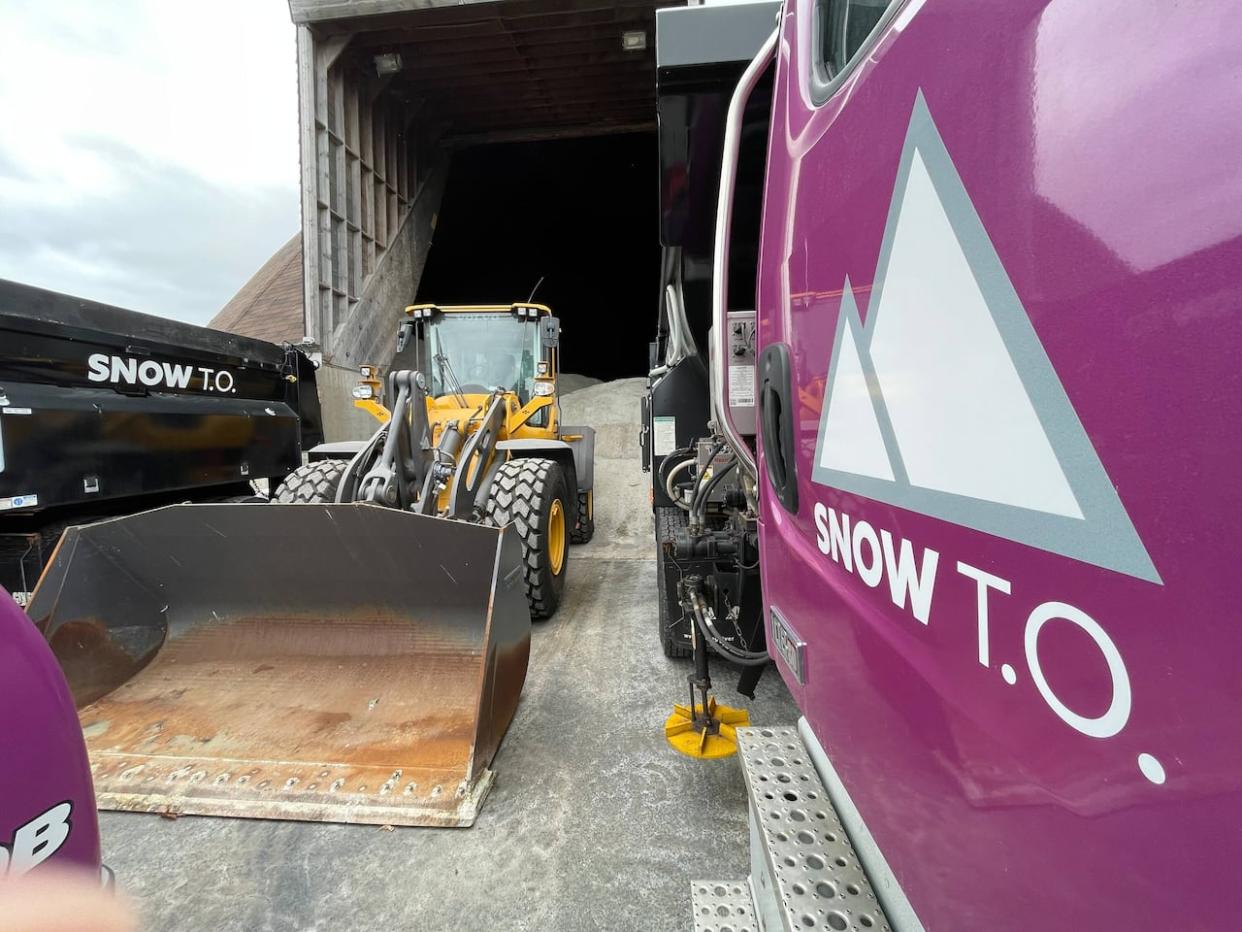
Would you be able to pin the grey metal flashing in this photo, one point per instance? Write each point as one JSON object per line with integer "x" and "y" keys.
{"x": 532, "y": 444}
{"x": 315, "y": 11}
{"x": 805, "y": 871}
{"x": 584, "y": 454}
{"x": 705, "y": 35}
{"x": 337, "y": 449}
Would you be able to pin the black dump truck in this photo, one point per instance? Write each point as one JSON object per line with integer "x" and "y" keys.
{"x": 704, "y": 505}
{"x": 106, "y": 412}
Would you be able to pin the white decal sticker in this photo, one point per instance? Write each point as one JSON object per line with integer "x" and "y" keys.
{"x": 911, "y": 573}
{"x": 37, "y": 840}
{"x": 1118, "y": 712}
{"x": 17, "y": 411}
{"x": 941, "y": 400}
{"x": 125, "y": 370}
{"x": 850, "y": 439}
{"x": 663, "y": 435}
{"x": 18, "y": 501}
{"x": 945, "y": 403}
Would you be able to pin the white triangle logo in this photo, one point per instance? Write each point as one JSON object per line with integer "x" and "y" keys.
{"x": 850, "y": 439}
{"x": 945, "y": 403}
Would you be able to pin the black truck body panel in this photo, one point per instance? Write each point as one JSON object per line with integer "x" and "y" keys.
{"x": 106, "y": 411}
{"x": 681, "y": 397}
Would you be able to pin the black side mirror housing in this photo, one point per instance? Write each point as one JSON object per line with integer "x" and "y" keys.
{"x": 550, "y": 332}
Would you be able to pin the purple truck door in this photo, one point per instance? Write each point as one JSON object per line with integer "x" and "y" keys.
{"x": 47, "y": 802}
{"x": 1005, "y": 250}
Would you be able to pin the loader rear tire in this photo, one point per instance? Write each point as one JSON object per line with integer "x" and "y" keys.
{"x": 584, "y": 530}
{"x": 531, "y": 494}
{"x": 312, "y": 484}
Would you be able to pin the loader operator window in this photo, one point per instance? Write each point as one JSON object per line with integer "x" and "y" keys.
{"x": 484, "y": 351}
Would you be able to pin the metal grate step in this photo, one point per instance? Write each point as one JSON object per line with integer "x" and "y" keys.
{"x": 722, "y": 906}
{"x": 804, "y": 871}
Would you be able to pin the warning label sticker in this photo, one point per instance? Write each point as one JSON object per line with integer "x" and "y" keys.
{"x": 663, "y": 435}
{"x": 741, "y": 386}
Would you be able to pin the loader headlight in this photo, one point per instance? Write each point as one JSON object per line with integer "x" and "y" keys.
{"x": 363, "y": 392}
{"x": 543, "y": 389}
{"x": 365, "y": 372}
{"x": 543, "y": 368}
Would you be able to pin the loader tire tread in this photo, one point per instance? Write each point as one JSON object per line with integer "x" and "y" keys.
{"x": 522, "y": 494}
{"x": 585, "y": 528}
{"x": 312, "y": 484}
{"x": 668, "y": 519}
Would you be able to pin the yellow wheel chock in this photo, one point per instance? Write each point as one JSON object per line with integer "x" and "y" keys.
{"x": 705, "y": 736}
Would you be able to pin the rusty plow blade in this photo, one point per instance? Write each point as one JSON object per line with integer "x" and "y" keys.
{"x": 338, "y": 663}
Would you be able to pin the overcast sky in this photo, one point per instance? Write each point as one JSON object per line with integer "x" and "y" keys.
{"x": 148, "y": 155}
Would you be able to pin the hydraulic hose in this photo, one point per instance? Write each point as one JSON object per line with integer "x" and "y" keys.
{"x": 668, "y": 483}
{"x": 717, "y": 642}
{"x": 711, "y": 456}
{"x": 704, "y": 490}
{"x": 671, "y": 458}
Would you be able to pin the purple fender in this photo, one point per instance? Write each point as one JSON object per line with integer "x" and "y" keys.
{"x": 47, "y": 802}
{"x": 1005, "y": 252}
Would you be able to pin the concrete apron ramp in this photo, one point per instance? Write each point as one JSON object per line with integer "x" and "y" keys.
{"x": 342, "y": 663}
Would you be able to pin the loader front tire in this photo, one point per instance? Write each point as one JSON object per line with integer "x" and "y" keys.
{"x": 584, "y": 530}
{"x": 531, "y": 494}
{"x": 312, "y": 484}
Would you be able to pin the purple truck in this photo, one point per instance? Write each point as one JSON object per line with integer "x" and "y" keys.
{"x": 998, "y": 279}
{"x": 45, "y": 783}
{"x": 992, "y": 350}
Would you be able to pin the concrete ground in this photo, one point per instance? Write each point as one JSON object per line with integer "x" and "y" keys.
{"x": 594, "y": 822}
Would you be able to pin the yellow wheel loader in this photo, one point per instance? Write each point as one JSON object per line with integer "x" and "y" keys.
{"x": 473, "y": 434}
{"x": 354, "y": 651}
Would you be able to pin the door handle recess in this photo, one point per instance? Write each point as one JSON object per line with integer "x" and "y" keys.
{"x": 776, "y": 419}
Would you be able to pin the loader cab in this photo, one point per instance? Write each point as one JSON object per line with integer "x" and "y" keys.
{"x": 476, "y": 350}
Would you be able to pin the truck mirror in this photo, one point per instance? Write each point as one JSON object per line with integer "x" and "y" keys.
{"x": 550, "y": 332}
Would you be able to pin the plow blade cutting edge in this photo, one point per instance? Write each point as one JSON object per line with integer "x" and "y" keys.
{"x": 339, "y": 663}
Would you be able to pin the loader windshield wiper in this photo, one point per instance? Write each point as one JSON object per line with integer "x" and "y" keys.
{"x": 450, "y": 379}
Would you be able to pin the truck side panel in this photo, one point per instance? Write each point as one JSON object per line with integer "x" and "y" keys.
{"x": 98, "y": 403}
{"x": 109, "y": 446}
{"x": 1004, "y": 251}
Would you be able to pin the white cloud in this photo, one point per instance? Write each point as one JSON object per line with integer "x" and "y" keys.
{"x": 147, "y": 154}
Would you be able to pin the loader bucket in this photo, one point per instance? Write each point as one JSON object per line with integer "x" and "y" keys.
{"x": 339, "y": 663}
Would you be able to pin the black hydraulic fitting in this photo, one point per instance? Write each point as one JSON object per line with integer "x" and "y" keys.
{"x": 707, "y": 545}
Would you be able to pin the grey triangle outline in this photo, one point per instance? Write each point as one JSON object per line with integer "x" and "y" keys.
{"x": 1105, "y": 536}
